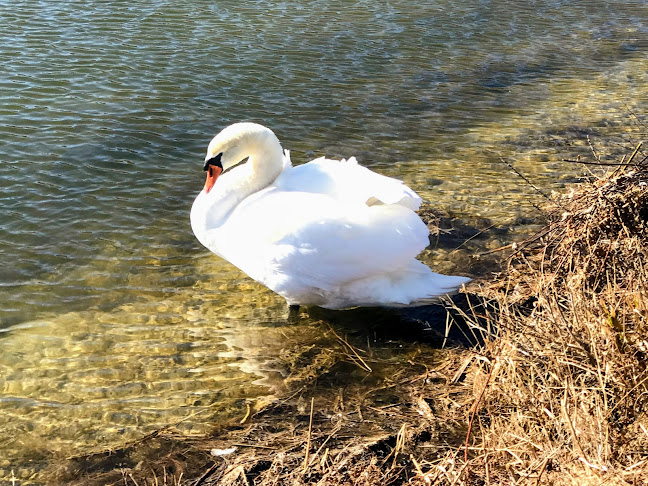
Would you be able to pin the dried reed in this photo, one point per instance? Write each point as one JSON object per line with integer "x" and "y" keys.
{"x": 563, "y": 395}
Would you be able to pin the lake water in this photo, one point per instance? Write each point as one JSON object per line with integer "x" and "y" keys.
{"x": 113, "y": 319}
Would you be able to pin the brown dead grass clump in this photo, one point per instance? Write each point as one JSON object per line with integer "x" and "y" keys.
{"x": 562, "y": 396}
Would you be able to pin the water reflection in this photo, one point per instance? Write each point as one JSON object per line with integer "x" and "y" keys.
{"x": 97, "y": 379}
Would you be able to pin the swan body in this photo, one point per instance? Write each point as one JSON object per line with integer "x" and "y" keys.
{"x": 327, "y": 233}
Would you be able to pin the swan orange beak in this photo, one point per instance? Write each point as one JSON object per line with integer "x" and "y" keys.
{"x": 213, "y": 172}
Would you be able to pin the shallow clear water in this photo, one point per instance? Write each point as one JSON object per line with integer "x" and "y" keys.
{"x": 114, "y": 320}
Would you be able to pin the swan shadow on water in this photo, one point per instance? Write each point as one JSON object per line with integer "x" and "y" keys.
{"x": 457, "y": 321}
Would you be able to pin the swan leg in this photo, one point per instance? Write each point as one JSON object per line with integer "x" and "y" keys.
{"x": 293, "y": 314}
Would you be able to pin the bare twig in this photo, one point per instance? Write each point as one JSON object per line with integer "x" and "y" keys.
{"x": 525, "y": 179}
{"x": 310, "y": 431}
{"x": 357, "y": 358}
{"x": 474, "y": 409}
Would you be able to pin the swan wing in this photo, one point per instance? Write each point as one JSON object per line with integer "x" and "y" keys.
{"x": 295, "y": 240}
{"x": 346, "y": 180}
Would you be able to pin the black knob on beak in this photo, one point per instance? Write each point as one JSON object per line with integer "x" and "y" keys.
{"x": 216, "y": 161}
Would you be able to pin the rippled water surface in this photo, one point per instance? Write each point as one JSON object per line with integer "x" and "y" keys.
{"x": 113, "y": 319}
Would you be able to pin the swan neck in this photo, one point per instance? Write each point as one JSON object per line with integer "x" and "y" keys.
{"x": 264, "y": 166}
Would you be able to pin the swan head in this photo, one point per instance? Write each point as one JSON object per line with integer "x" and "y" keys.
{"x": 236, "y": 143}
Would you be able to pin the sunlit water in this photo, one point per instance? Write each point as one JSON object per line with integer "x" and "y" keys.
{"x": 114, "y": 321}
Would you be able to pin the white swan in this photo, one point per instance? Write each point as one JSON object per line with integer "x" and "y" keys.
{"x": 327, "y": 233}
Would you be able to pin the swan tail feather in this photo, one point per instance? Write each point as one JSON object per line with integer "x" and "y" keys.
{"x": 413, "y": 286}
{"x": 287, "y": 163}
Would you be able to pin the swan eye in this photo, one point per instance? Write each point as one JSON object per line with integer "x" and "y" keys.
{"x": 214, "y": 161}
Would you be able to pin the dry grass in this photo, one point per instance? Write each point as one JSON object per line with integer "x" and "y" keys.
{"x": 563, "y": 395}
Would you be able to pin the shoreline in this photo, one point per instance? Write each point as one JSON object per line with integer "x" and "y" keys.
{"x": 556, "y": 393}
